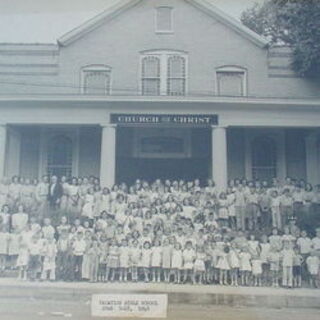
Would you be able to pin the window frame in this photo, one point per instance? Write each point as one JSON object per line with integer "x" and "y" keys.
{"x": 164, "y": 56}
{"x": 232, "y": 69}
{"x": 183, "y": 135}
{"x": 51, "y": 152}
{"x": 95, "y": 68}
{"x": 159, "y": 31}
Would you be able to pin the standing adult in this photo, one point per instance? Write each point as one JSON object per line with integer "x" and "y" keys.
{"x": 54, "y": 195}
{"x": 41, "y": 193}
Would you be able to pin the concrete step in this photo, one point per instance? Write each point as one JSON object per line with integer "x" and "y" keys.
{"x": 177, "y": 294}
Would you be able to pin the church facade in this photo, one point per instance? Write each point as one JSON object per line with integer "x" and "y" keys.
{"x": 157, "y": 89}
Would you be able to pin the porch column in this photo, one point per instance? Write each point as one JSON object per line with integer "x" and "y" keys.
{"x": 3, "y": 141}
{"x": 312, "y": 158}
{"x": 108, "y": 156}
{"x": 13, "y": 152}
{"x": 219, "y": 157}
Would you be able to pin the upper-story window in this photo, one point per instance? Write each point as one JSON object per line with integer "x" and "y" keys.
{"x": 231, "y": 81}
{"x": 96, "y": 80}
{"x": 164, "y": 17}
{"x": 164, "y": 73}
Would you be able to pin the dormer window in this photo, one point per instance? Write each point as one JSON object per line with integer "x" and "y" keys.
{"x": 231, "y": 81}
{"x": 164, "y": 22}
{"x": 96, "y": 80}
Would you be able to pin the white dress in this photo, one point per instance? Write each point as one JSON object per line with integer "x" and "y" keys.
{"x": 49, "y": 262}
{"x": 146, "y": 258}
{"x": 256, "y": 266}
{"x": 223, "y": 263}
{"x": 124, "y": 257}
{"x": 199, "y": 262}
{"x": 223, "y": 210}
{"x": 156, "y": 257}
{"x": 245, "y": 264}
{"x": 23, "y": 257}
{"x": 233, "y": 259}
{"x": 313, "y": 265}
{"x": 188, "y": 258}
{"x": 88, "y": 208}
{"x": 176, "y": 259}
{"x": 135, "y": 255}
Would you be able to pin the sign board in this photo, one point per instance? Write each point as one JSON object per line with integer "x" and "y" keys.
{"x": 174, "y": 119}
{"x": 129, "y": 305}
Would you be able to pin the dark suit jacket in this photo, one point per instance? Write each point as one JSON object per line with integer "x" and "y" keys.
{"x": 55, "y": 194}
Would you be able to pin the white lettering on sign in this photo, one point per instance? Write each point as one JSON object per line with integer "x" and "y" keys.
{"x": 129, "y": 305}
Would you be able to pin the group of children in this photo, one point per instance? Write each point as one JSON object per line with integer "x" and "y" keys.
{"x": 173, "y": 232}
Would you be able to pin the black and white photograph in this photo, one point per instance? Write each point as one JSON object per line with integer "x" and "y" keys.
{"x": 160, "y": 159}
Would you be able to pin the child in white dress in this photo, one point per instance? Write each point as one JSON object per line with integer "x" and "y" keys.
{"x": 264, "y": 253}
{"x": 49, "y": 262}
{"x": 113, "y": 261}
{"x": 189, "y": 256}
{"x": 245, "y": 266}
{"x": 88, "y": 207}
{"x": 223, "y": 266}
{"x": 223, "y": 212}
{"x": 199, "y": 266}
{"x": 156, "y": 261}
{"x": 176, "y": 262}
{"x": 23, "y": 259}
{"x": 274, "y": 260}
{"x": 233, "y": 258}
{"x": 145, "y": 262}
{"x": 135, "y": 256}
{"x": 257, "y": 270}
{"x": 313, "y": 263}
{"x": 166, "y": 259}
{"x": 123, "y": 261}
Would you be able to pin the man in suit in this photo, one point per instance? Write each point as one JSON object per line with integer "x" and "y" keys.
{"x": 55, "y": 193}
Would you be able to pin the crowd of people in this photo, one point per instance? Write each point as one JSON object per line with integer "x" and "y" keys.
{"x": 252, "y": 233}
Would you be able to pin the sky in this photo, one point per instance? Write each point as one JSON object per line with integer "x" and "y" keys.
{"x": 44, "y": 21}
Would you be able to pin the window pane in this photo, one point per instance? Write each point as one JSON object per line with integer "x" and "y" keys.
{"x": 151, "y": 87}
{"x": 176, "y": 67}
{"x": 97, "y": 82}
{"x": 151, "y": 67}
{"x": 176, "y": 87}
{"x": 230, "y": 83}
{"x": 164, "y": 19}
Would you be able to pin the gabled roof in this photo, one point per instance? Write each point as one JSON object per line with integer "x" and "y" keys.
{"x": 123, "y": 5}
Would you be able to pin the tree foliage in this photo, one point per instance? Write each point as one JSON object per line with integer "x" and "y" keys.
{"x": 292, "y": 22}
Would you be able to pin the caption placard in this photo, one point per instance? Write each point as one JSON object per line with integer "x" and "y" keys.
{"x": 129, "y": 305}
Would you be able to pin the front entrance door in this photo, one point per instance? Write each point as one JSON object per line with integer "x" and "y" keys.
{"x": 162, "y": 153}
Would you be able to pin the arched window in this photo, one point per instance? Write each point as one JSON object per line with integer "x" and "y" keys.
{"x": 176, "y": 76}
{"x": 151, "y": 76}
{"x": 96, "y": 80}
{"x": 60, "y": 156}
{"x": 164, "y": 72}
{"x": 264, "y": 158}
